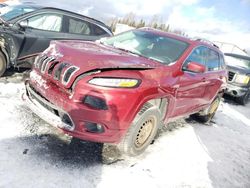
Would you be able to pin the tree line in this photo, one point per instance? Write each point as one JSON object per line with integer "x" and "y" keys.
{"x": 155, "y": 22}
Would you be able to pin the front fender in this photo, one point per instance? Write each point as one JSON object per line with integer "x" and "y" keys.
{"x": 10, "y": 44}
{"x": 4, "y": 51}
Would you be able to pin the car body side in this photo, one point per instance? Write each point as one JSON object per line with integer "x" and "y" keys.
{"x": 19, "y": 44}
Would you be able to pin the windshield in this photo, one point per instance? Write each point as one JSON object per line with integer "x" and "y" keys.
{"x": 150, "y": 45}
{"x": 10, "y": 12}
{"x": 234, "y": 61}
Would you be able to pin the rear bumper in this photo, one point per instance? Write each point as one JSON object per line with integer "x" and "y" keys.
{"x": 235, "y": 91}
{"x": 53, "y": 115}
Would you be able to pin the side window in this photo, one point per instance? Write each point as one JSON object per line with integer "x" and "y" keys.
{"x": 222, "y": 62}
{"x": 48, "y": 22}
{"x": 198, "y": 55}
{"x": 77, "y": 26}
{"x": 213, "y": 60}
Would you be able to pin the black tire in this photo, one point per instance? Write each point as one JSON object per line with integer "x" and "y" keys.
{"x": 3, "y": 65}
{"x": 131, "y": 143}
{"x": 244, "y": 99}
{"x": 209, "y": 113}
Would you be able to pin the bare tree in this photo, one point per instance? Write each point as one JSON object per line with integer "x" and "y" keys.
{"x": 156, "y": 22}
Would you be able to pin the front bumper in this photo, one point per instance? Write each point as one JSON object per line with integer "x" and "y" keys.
{"x": 37, "y": 104}
{"x": 235, "y": 91}
{"x": 53, "y": 115}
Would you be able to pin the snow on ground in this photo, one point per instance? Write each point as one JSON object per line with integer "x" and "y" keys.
{"x": 34, "y": 154}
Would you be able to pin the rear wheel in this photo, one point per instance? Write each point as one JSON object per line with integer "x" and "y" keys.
{"x": 244, "y": 99}
{"x": 209, "y": 113}
{"x": 141, "y": 132}
{"x": 2, "y": 64}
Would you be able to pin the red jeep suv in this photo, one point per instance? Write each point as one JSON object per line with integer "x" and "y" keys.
{"x": 122, "y": 89}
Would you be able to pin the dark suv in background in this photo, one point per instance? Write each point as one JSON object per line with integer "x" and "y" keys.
{"x": 238, "y": 77}
{"x": 27, "y": 29}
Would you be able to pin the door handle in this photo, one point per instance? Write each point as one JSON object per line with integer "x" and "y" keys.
{"x": 176, "y": 86}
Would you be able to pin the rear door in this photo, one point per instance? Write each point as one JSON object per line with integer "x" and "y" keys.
{"x": 40, "y": 29}
{"x": 192, "y": 86}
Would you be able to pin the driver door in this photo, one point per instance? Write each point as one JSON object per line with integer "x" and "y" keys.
{"x": 192, "y": 86}
{"x": 39, "y": 30}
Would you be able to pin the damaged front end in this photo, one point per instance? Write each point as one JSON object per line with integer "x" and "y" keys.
{"x": 66, "y": 75}
{"x": 89, "y": 96}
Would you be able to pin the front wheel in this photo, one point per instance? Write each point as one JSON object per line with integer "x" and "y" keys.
{"x": 244, "y": 99}
{"x": 209, "y": 113}
{"x": 141, "y": 132}
{"x": 2, "y": 64}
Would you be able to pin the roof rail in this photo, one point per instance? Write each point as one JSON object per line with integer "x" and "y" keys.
{"x": 206, "y": 41}
{"x": 227, "y": 47}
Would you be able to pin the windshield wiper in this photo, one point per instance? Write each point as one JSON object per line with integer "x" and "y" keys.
{"x": 129, "y": 51}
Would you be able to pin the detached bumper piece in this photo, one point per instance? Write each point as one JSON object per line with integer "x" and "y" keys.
{"x": 235, "y": 91}
{"x": 47, "y": 111}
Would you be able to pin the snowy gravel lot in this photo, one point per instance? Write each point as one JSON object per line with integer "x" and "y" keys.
{"x": 33, "y": 154}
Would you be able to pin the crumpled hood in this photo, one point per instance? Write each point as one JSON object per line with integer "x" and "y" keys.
{"x": 92, "y": 54}
{"x": 89, "y": 56}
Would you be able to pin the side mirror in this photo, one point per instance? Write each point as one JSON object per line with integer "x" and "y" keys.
{"x": 23, "y": 23}
{"x": 195, "y": 67}
{"x": 102, "y": 40}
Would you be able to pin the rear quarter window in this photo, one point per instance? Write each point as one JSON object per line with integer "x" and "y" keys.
{"x": 77, "y": 26}
{"x": 84, "y": 27}
{"x": 213, "y": 60}
{"x": 96, "y": 30}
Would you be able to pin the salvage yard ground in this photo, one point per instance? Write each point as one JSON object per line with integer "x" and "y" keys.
{"x": 189, "y": 154}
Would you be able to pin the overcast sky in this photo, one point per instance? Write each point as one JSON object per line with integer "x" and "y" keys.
{"x": 223, "y": 20}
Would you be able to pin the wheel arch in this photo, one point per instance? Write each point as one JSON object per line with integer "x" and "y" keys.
{"x": 5, "y": 53}
{"x": 161, "y": 104}
{"x": 149, "y": 110}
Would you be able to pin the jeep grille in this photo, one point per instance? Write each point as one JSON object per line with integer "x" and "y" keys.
{"x": 45, "y": 63}
{"x": 42, "y": 62}
{"x": 59, "y": 70}
{"x": 62, "y": 70}
{"x": 52, "y": 66}
{"x": 231, "y": 76}
{"x": 68, "y": 73}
